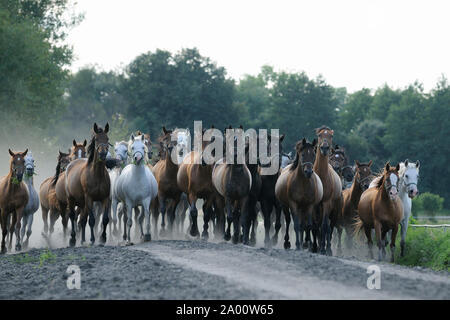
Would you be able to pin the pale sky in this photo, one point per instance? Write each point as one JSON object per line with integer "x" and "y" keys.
{"x": 354, "y": 44}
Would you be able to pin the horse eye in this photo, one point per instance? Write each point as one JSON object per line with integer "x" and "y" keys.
{"x": 406, "y": 176}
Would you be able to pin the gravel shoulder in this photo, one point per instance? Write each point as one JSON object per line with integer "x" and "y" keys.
{"x": 176, "y": 269}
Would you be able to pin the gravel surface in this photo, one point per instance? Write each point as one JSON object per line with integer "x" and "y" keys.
{"x": 176, "y": 269}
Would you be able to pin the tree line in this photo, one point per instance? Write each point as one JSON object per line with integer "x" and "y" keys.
{"x": 174, "y": 89}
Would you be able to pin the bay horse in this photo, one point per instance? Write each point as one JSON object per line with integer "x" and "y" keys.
{"x": 380, "y": 208}
{"x": 233, "y": 182}
{"x": 86, "y": 181}
{"x": 48, "y": 199}
{"x": 194, "y": 178}
{"x": 136, "y": 186}
{"x": 165, "y": 171}
{"x": 33, "y": 200}
{"x": 331, "y": 205}
{"x": 339, "y": 162}
{"x": 351, "y": 198}
{"x": 299, "y": 189}
{"x": 14, "y": 197}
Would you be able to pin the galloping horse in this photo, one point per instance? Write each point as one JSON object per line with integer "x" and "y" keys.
{"x": 331, "y": 205}
{"x": 121, "y": 155}
{"x": 351, "y": 198}
{"x": 165, "y": 171}
{"x": 48, "y": 196}
{"x": 33, "y": 201}
{"x": 299, "y": 189}
{"x": 136, "y": 186}
{"x": 195, "y": 179}
{"x": 233, "y": 181}
{"x": 381, "y": 208}
{"x": 340, "y": 164}
{"x": 87, "y": 180}
{"x": 13, "y": 197}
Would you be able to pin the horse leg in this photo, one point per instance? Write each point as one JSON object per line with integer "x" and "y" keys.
{"x": 106, "y": 206}
{"x": 247, "y": 218}
{"x": 227, "y": 235}
{"x": 277, "y": 222}
{"x": 194, "y": 214}
{"x": 298, "y": 233}
{"x": 287, "y": 218}
{"x": 380, "y": 243}
{"x": 114, "y": 203}
{"x": 23, "y": 229}
{"x": 18, "y": 226}
{"x": 393, "y": 237}
{"x": 29, "y": 225}
{"x": 45, "y": 218}
{"x": 72, "y": 240}
{"x": 207, "y": 214}
{"x": 339, "y": 231}
{"x": 54, "y": 215}
{"x": 219, "y": 214}
{"x": 368, "y": 232}
{"x": 129, "y": 221}
{"x": 171, "y": 214}
{"x": 254, "y": 230}
{"x": 137, "y": 213}
{"x": 239, "y": 206}
{"x": 163, "y": 208}
{"x": 120, "y": 212}
{"x": 4, "y": 219}
{"x": 252, "y": 220}
{"x": 12, "y": 226}
{"x": 266, "y": 209}
{"x": 309, "y": 223}
{"x": 146, "y": 213}
{"x": 404, "y": 225}
{"x": 125, "y": 219}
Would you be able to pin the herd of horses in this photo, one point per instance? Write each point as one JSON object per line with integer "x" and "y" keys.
{"x": 318, "y": 189}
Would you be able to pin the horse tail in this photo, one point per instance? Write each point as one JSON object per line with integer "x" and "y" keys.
{"x": 357, "y": 226}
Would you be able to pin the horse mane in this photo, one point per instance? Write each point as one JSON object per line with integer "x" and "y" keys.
{"x": 403, "y": 168}
{"x": 294, "y": 163}
{"x": 58, "y": 168}
{"x": 91, "y": 149}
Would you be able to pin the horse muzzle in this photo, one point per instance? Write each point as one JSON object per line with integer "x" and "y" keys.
{"x": 412, "y": 193}
{"x": 393, "y": 193}
{"x": 325, "y": 149}
{"x": 19, "y": 177}
{"x": 30, "y": 171}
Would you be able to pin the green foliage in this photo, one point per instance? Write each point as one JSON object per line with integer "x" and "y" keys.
{"x": 46, "y": 256}
{"x": 429, "y": 203}
{"x": 428, "y": 248}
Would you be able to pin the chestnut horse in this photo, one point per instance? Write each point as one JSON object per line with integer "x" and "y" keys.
{"x": 78, "y": 150}
{"x": 299, "y": 189}
{"x": 48, "y": 198}
{"x": 86, "y": 181}
{"x": 331, "y": 205}
{"x": 165, "y": 171}
{"x": 351, "y": 198}
{"x": 13, "y": 197}
{"x": 381, "y": 208}
{"x": 194, "y": 178}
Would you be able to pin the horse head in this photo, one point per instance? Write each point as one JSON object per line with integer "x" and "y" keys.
{"x": 325, "y": 139}
{"x": 78, "y": 150}
{"x": 99, "y": 143}
{"x": 137, "y": 149}
{"x": 409, "y": 175}
{"x": 391, "y": 180}
{"x": 17, "y": 164}
{"x": 121, "y": 151}
{"x": 305, "y": 156}
{"x": 29, "y": 164}
{"x": 363, "y": 174}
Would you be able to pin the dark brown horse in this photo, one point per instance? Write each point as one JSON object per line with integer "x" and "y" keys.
{"x": 87, "y": 180}
{"x": 381, "y": 208}
{"x": 195, "y": 179}
{"x": 331, "y": 205}
{"x": 165, "y": 172}
{"x": 13, "y": 198}
{"x": 351, "y": 198}
{"x": 339, "y": 162}
{"x": 48, "y": 198}
{"x": 78, "y": 150}
{"x": 299, "y": 189}
{"x": 233, "y": 182}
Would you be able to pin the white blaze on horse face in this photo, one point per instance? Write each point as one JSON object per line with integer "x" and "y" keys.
{"x": 394, "y": 180}
{"x": 79, "y": 153}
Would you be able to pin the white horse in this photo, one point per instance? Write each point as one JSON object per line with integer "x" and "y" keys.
{"x": 121, "y": 154}
{"x": 136, "y": 186}
{"x": 33, "y": 200}
{"x": 409, "y": 177}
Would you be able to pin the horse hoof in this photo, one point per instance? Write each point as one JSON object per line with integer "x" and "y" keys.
{"x": 227, "y": 237}
{"x": 205, "y": 235}
{"x": 235, "y": 239}
{"x": 147, "y": 237}
{"x": 306, "y": 245}
{"x": 252, "y": 242}
{"x": 329, "y": 252}
{"x": 274, "y": 241}
{"x": 18, "y": 247}
{"x": 102, "y": 239}
{"x": 72, "y": 242}
{"x": 129, "y": 243}
{"x": 287, "y": 245}
{"x": 162, "y": 233}
{"x": 194, "y": 233}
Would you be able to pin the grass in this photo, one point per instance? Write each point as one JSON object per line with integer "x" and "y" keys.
{"x": 426, "y": 247}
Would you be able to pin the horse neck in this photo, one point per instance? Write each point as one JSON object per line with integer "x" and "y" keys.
{"x": 28, "y": 180}
{"x": 382, "y": 190}
{"x": 356, "y": 191}
{"x": 97, "y": 166}
{"x": 320, "y": 163}
{"x": 170, "y": 165}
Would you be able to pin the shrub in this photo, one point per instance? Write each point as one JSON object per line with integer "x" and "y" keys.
{"x": 428, "y": 203}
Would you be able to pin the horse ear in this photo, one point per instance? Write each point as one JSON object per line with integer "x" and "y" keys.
{"x": 370, "y": 163}
{"x": 397, "y": 167}
{"x": 164, "y": 130}
{"x": 336, "y": 147}
{"x": 241, "y": 127}
{"x": 11, "y": 153}
{"x": 281, "y": 138}
{"x": 303, "y": 141}
{"x": 25, "y": 153}
{"x": 74, "y": 143}
{"x": 132, "y": 137}
{"x": 95, "y": 127}
{"x": 212, "y": 126}
{"x": 357, "y": 163}
{"x": 107, "y": 127}
{"x": 387, "y": 167}
{"x": 406, "y": 162}
{"x": 84, "y": 143}
{"x": 417, "y": 164}
{"x": 314, "y": 142}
